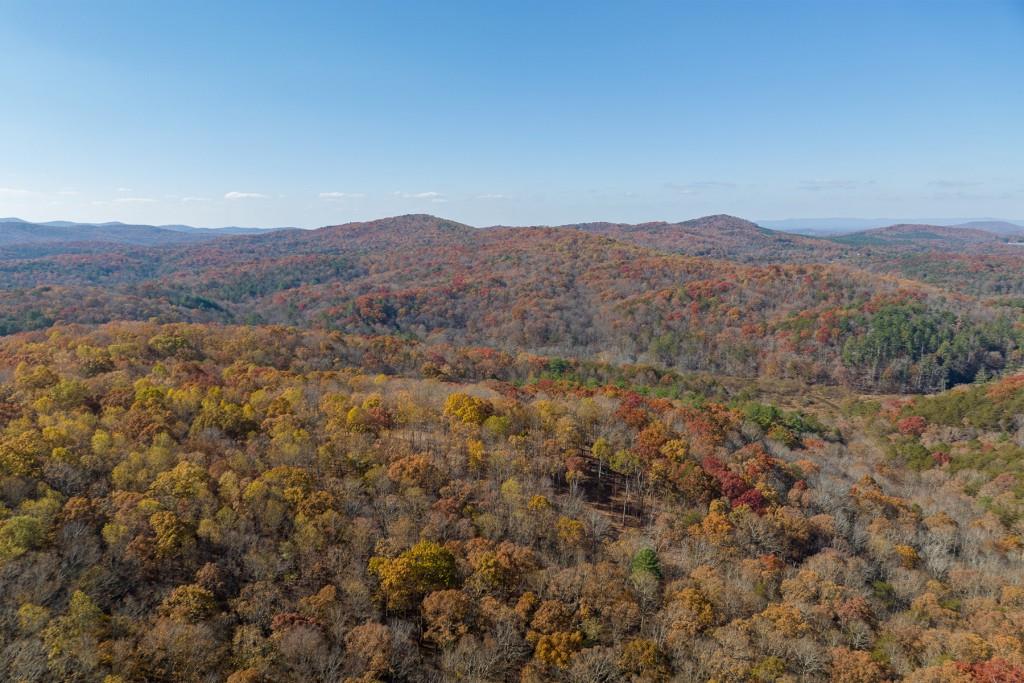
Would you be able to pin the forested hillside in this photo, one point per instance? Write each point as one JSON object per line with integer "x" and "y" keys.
{"x": 723, "y": 237}
{"x": 556, "y": 291}
{"x": 199, "y": 502}
{"x": 587, "y": 426}
{"x": 933, "y": 237}
{"x": 413, "y": 450}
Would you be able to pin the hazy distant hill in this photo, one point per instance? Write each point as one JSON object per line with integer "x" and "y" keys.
{"x": 930, "y": 237}
{"x": 14, "y": 231}
{"x": 998, "y": 227}
{"x": 840, "y": 226}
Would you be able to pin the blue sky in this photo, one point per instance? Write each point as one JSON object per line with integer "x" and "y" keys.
{"x": 307, "y": 113}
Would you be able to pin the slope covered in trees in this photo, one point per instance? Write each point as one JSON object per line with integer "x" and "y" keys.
{"x": 969, "y": 440}
{"x": 723, "y": 237}
{"x": 994, "y": 275}
{"x": 931, "y": 237}
{"x": 557, "y": 291}
{"x": 412, "y": 450}
{"x": 200, "y": 502}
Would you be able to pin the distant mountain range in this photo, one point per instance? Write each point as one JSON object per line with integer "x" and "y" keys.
{"x": 719, "y": 236}
{"x": 832, "y": 226}
{"x": 737, "y": 239}
{"x": 717, "y": 294}
{"x": 15, "y": 231}
{"x": 689, "y": 236}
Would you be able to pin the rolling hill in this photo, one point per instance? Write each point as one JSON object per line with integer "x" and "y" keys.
{"x": 997, "y": 227}
{"x": 558, "y": 291}
{"x": 17, "y": 232}
{"x": 721, "y": 237}
{"x": 411, "y": 445}
{"x": 930, "y": 237}
{"x": 961, "y": 260}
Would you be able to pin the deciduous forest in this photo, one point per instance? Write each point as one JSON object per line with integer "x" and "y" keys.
{"x": 413, "y": 450}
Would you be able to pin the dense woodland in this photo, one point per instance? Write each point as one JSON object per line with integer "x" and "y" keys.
{"x": 560, "y": 291}
{"x": 410, "y": 450}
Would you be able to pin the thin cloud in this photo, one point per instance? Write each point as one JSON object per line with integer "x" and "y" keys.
{"x": 966, "y": 194}
{"x": 341, "y": 195}
{"x": 825, "y": 185}
{"x": 15, "y": 192}
{"x": 492, "y": 196}
{"x": 953, "y": 184}
{"x": 418, "y": 195}
{"x": 124, "y": 189}
{"x": 698, "y": 186}
{"x": 194, "y": 199}
{"x": 435, "y": 197}
{"x": 134, "y": 200}
{"x": 244, "y": 195}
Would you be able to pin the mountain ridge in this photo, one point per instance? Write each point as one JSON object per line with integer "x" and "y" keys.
{"x": 549, "y": 290}
{"x": 16, "y": 231}
{"x": 838, "y": 225}
{"x": 938, "y": 237}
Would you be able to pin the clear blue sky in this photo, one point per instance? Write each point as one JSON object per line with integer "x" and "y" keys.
{"x": 308, "y": 113}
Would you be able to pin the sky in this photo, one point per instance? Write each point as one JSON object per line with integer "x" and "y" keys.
{"x": 316, "y": 113}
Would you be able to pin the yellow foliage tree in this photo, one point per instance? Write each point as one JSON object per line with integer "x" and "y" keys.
{"x": 423, "y": 568}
